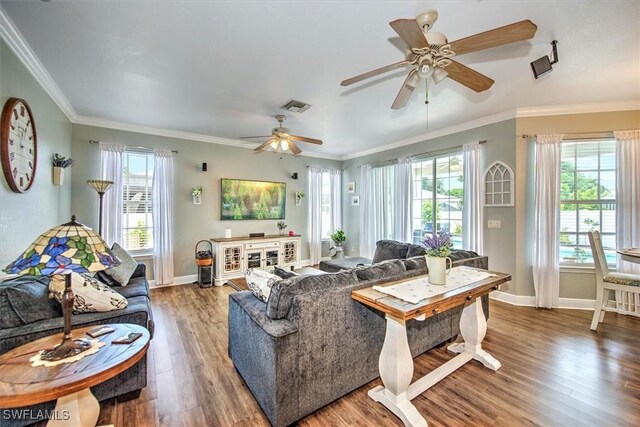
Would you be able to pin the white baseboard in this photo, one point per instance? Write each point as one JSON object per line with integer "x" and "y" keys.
{"x": 519, "y": 300}
{"x": 180, "y": 280}
{"x": 530, "y": 301}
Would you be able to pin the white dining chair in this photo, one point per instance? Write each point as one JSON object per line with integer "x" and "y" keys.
{"x": 606, "y": 281}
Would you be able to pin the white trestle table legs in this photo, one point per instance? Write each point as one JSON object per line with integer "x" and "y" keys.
{"x": 396, "y": 363}
{"x": 79, "y": 409}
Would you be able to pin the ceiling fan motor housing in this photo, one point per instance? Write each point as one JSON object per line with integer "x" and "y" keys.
{"x": 427, "y": 19}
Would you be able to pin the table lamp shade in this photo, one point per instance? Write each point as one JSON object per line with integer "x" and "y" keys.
{"x": 64, "y": 249}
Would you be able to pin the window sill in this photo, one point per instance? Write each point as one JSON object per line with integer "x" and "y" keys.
{"x": 581, "y": 269}
{"x": 577, "y": 269}
{"x": 145, "y": 256}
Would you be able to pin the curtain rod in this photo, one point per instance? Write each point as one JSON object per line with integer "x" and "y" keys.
{"x": 577, "y": 135}
{"x": 93, "y": 141}
{"x": 320, "y": 167}
{"x": 425, "y": 154}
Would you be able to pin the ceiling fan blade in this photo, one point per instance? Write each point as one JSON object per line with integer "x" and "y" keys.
{"x": 410, "y": 32}
{"x": 263, "y": 145}
{"x": 468, "y": 77}
{"x": 515, "y": 32}
{"x": 305, "y": 139}
{"x": 375, "y": 72}
{"x": 410, "y": 83}
{"x": 294, "y": 148}
{"x": 253, "y": 137}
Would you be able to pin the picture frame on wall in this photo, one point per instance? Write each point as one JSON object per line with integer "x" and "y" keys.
{"x": 351, "y": 187}
{"x": 355, "y": 200}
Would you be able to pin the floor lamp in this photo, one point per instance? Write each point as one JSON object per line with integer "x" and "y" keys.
{"x": 101, "y": 186}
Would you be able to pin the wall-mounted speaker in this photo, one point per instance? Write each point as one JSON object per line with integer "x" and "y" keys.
{"x": 204, "y": 167}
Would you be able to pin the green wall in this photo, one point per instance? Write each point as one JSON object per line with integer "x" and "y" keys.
{"x": 197, "y": 222}
{"x": 23, "y": 217}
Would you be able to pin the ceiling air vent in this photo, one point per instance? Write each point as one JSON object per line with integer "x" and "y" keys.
{"x": 296, "y": 106}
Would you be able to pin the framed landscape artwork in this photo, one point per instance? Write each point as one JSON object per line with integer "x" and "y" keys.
{"x": 246, "y": 199}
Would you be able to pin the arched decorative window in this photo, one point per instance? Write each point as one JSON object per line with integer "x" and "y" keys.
{"x": 498, "y": 185}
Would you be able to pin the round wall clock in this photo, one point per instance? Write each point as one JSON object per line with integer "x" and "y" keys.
{"x": 18, "y": 145}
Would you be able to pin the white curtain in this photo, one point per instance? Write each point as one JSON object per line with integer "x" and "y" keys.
{"x": 162, "y": 214}
{"x": 377, "y": 212}
{"x": 628, "y": 195}
{"x": 472, "y": 199}
{"x": 367, "y": 241}
{"x": 546, "y": 257}
{"x": 403, "y": 201}
{"x": 111, "y": 169}
{"x": 315, "y": 215}
{"x": 335, "y": 185}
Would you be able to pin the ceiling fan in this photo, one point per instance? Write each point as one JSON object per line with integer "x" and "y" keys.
{"x": 429, "y": 54}
{"x": 281, "y": 140}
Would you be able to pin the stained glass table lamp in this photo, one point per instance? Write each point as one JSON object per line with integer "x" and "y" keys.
{"x": 62, "y": 250}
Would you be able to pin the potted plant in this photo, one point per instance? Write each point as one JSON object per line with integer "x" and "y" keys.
{"x": 338, "y": 237}
{"x": 60, "y": 163}
{"x": 299, "y": 196}
{"x": 196, "y": 192}
{"x": 281, "y": 226}
{"x": 438, "y": 248}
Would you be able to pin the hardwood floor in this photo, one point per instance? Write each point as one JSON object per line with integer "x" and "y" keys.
{"x": 555, "y": 371}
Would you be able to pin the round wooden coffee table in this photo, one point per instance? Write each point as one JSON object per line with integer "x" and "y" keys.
{"x": 22, "y": 384}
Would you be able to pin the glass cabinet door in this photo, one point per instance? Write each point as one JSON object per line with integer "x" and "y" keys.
{"x": 271, "y": 258}
{"x": 254, "y": 259}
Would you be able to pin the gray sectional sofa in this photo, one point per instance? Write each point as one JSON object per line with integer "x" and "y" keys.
{"x": 311, "y": 343}
{"x": 27, "y": 314}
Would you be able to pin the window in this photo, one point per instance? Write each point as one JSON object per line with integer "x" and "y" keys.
{"x": 137, "y": 180}
{"x": 437, "y": 197}
{"x": 587, "y": 199}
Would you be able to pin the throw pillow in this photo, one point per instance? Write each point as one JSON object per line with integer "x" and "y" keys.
{"x": 260, "y": 283}
{"x": 25, "y": 300}
{"x": 127, "y": 267}
{"x": 89, "y": 294}
{"x": 389, "y": 249}
{"x": 284, "y": 274}
{"x": 415, "y": 250}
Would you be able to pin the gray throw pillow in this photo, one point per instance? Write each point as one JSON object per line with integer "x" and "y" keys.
{"x": 125, "y": 270}
{"x": 285, "y": 274}
{"x": 25, "y": 300}
{"x": 389, "y": 249}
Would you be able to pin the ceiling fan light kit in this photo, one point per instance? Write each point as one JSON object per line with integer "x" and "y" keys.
{"x": 429, "y": 54}
{"x": 281, "y": 140}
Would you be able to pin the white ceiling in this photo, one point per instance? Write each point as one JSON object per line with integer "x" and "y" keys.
{"x": 223, "y": 68}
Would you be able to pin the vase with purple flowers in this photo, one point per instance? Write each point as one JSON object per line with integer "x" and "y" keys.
{"x": 438, "y": 248}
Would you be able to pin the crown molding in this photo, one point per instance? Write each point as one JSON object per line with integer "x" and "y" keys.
{"x": 169, "y": 133}
{"x": 10, "y": 34}
{"x": 461, "y": 127}
{"x": 592, "y": 107}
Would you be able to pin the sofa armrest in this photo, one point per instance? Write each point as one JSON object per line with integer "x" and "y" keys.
{"x": 137, "y": 312}
{"x": 256, "y": 310}
{"x": 141, "y": 270}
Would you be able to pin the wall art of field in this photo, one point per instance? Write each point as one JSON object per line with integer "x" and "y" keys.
{"x": 243, "y": 199}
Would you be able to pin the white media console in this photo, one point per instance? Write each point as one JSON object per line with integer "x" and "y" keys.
{"x": 235, "y": 255}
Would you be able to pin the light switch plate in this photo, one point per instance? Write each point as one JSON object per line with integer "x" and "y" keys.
{"x": 494, "y": 223}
